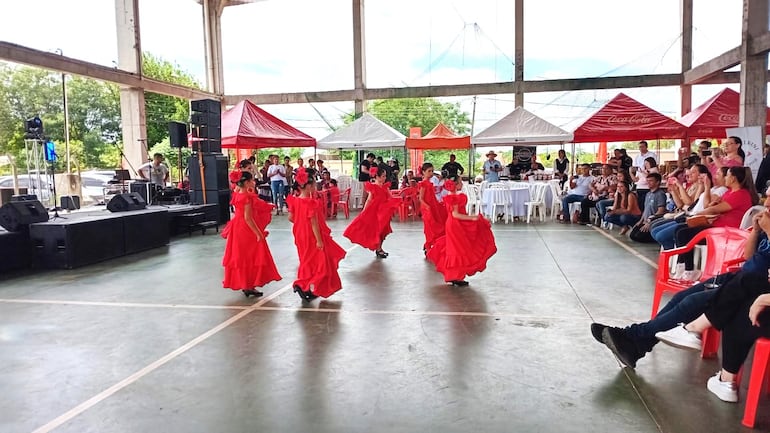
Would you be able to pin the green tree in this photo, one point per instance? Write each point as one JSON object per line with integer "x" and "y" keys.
{"x": 161, "y": 109}
{"x": 402, "y": 114}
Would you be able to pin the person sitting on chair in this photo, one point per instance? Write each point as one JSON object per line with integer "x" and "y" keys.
{"x": 155, "y": 171}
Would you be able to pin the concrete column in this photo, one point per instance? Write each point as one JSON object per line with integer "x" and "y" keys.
{"x": 131, "y": 98}
{"x": 753, "y": 109}
{"x": 359, "y": 58}
{"x": 685, "y": 9}
{"x": 518, "y": 67}
{"x": 212, "y": 39}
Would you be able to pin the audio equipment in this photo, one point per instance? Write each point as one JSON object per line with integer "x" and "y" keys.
{"x": 126, "y": 202}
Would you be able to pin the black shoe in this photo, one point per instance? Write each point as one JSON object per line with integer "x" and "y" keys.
{"x": 309, "y": 296}
{"x": 381, "y": 254}
{"x": 621, "y": 346}
{"x": 298, "y": 290}
{"x": 250, "y": 293}
{"x": 596, "y": 331}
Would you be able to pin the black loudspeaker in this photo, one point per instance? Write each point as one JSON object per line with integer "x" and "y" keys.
{"x": 221, "y": 198}
{"x": 215, "y": 168}
{"x": 206, "y": 106}
{"x": 177, "y": 133}
{"x": 16, "y": 215}
{"x": 145, "y": 190}
{"x": 126, "y": 202}
{"x": 210, "y": 132}
{"x": 70, "y": 202}
{"x": 205, "y": 119}
{"x": 207, "y": 146}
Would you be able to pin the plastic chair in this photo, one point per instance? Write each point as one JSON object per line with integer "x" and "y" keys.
{"x": 474, "y": 199}
{"x": 538, "y": 202}
{"x": 343, "y": 203}
{"x": 756, "y": 380}
{"x": 749, "y": 215}
{"x": 407, "y": 207}
{"x": 501, "y": 196}
{"x": 723, "y": 244}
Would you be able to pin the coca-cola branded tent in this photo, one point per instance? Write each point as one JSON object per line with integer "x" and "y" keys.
{"x": 713, "y": 117}
{"x": 626, "y": 119}
{"x": 439, "y": 138}
{"x": 521, "y": 127}
{"x": 248, "y": 126}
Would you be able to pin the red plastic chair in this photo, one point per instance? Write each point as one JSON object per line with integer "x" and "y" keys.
{"x": 757, "y": 380}
{"x": 407, "y": 207}
{"x": 723, "y": 244}
{"x": 343, "y": 203}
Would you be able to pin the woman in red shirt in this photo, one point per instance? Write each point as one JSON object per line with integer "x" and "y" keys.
{"x": 726, "y": 212}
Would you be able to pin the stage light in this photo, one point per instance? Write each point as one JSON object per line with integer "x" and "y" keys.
{"x": 34, "y": 127}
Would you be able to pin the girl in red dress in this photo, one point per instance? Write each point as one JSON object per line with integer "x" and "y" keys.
{"x": 319, "y": 255}
{"x": 433, "y": 213}
{"x": 247, "y": 259}
{"x": 468, "y": 242}
{"x": 370, "y": 228}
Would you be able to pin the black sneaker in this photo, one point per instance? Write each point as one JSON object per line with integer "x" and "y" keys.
{"x": 596, "y": 331}
{"x": 621, "y": 346}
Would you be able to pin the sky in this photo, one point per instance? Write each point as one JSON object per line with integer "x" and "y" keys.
{"x": 302, "y": 45}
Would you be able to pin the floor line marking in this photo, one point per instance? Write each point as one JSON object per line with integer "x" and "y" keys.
{"x": 124, "y": 304}
{"x": 418, "y": 313}
{"x": 84, "y": 406}
{"x": 635, "y": 253}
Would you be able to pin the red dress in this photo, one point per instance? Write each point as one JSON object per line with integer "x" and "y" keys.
{"x": 317, "y": 270}
{"x": 466, "y": 246}
{"x": 248, "y": 263}
{"x": 433, "y": 215}
{"x": 372, "y": 225}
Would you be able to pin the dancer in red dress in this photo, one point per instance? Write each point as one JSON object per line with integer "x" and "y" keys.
{"x": 434, "y": 214}
{"x": 247, "y": 259}
{"x": 370, "y": 228}
{"x": 468, "y": 242}
{"x": 319, "y": 255}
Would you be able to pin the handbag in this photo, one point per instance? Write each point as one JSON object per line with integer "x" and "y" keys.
{"x": 698, "y": 221}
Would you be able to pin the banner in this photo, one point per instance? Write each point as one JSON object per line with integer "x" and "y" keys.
{"x": 752, "y": 146}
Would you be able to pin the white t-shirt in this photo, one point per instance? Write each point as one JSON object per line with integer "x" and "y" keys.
{"x": 155, "y": 173}
{"x": 718, "y": 191}
{"x": 437, "y": 186}
{"x": 582, "y": 185}
{"x": 641, "y": 178}
{"x": 276, "y": 172}
{"x": 639, "y": 160}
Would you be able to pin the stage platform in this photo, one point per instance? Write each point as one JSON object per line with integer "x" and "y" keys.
{"x": 93, "y": 235}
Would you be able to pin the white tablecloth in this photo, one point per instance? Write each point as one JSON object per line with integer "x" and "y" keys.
{"x": 519, "y": 196}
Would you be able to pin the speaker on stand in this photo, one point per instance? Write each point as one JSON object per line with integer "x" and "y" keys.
{"x": 177, "y": 132}
{"x": 207, "y": 167}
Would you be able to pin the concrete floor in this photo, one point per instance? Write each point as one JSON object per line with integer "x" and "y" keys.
{"x": 151, "y": 343}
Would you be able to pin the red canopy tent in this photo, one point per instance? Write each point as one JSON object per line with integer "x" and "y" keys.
{"x": 711, "y": 118}
{"x": 440, "y": 138}
{"x": 626, "y": 119}
{"x": 248, "y": 126}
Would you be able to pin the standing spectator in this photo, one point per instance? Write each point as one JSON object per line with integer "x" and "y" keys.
{"x": 320, "y": 168}
{"x": 300, "y": 164}
{"x": 277, "y": 174}
{"x": 649, "y": 166}
{"x": 560, "y": 166}
{"x": 363, "y": 170}
{"x": 732, "y": 156}
{"x": 453, "y": 168}
{"x": 492, "y": 167}
{"x": 644, "y": 153}
{"x": 289, "y": 177}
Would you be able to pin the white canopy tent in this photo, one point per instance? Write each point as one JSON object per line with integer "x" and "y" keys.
{"x": 366, "y": 132}
{"x": 521, "y": 127}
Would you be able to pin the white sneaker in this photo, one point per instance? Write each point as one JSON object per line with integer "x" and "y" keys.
{"x": 726, "y": 391}
{"x": 681, "y": 338}
{"x": 678, "y": 272}
{"x": 693, "y": 275}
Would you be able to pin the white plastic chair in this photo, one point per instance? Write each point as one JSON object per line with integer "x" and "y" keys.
{"x": 556, "y": 195}
{"x": 501, "y": 196}
{"x": 538, "y": 202}
{"x": 356, "y": 191}
{"x": 474, "y": 199}
{"x": 749, "y": 215}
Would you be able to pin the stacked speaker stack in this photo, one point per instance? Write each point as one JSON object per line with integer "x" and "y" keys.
{"x": 213, "y": 186}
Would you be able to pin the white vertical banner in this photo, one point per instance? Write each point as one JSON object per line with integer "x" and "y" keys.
{"x": 752, "y": 145}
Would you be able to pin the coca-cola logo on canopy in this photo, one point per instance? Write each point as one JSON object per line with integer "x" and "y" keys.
{"x": 728, "y": 118}
{"x": 636, "y": 119}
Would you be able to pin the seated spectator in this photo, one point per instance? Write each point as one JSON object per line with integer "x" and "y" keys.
{"x": 599, "y": 190}
{"x": 654, "y": 208}
{"x": 334, "y": 196}
{"x": 408, "y": 179}
{"x": 727, "y": 212}
{"x": 580, "y": 189}
{"x": 625, "y": 209}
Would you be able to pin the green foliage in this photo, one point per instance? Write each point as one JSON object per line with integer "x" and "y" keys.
{"x": 652, "y": 144}
{"x": 161, "y": 109}
{"x": 172, "y": 156}
{"x": 401, "y": 114}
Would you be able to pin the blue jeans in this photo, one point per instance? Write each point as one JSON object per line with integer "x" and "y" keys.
{"x": 622, "y": 220}
{"x": 571, "y": 198}
{"x": 602, "y": 205}
{"x": 276, "y": 186}
{"x": 663, "y": 233}
{"x": 684, "y": 307}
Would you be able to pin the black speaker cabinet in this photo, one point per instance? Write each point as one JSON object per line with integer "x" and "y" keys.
{"x": 206, "y": 106}
{"x": 215, "y": 168}
{"x": 177, "y": 133}
{"x": 210, "y": 132}
{"x": 70, "y": 202}
{"x": 206, "y": 145}
{"x": 221, "y": 198}
{"x": 126, "y": 202}
{"x": 205, "y": 119}
{"x": 15, "y": 215}
{"x": 76, "y": 242}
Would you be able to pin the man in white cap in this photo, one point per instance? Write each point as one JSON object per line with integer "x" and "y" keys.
{"x": 492, "y": 168}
